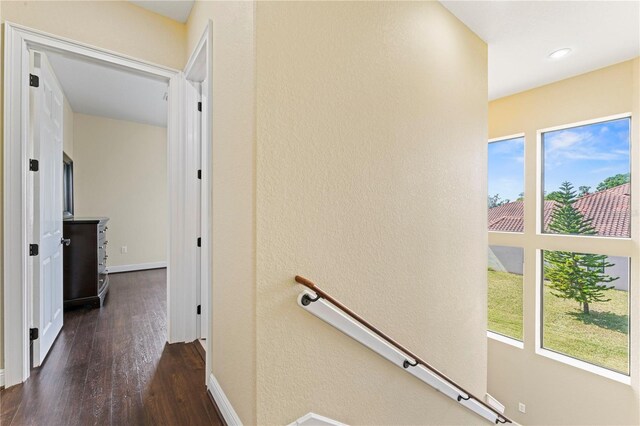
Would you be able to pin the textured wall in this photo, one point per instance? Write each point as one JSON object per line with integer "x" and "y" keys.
{"x": 232, "y": 342}
{"x": 371, "y": 180}
{"x": 556, "y": 393}
{"x": 115, "y": 25}
{"x": 120, "y": 171}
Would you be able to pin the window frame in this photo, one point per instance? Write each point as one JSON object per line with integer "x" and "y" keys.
{"x": 540, "y": 170}
{"x": 534, "y": 241}
{"x": 519, "y": 343}
{"x": 571, "y": 360}
{"x": 524, "y": 175}
{"x": 509, "y": 236}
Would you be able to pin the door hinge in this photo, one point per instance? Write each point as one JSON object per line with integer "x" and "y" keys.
{"x": 33, "y": 333}
{"x": 199, "y": 174}
{"x": 33, "y": 249}
{"x": 34, "y": 165}
{"x": 199, "y": 310}
{"x": 34, "y": 80}
{"x": 199, "y": 242}
{"x": 200, "y": 106}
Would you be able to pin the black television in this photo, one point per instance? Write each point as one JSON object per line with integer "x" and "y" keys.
{"x": 67, "y": 186}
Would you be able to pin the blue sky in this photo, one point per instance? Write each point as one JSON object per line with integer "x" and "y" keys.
{"x": 583, "y": 155}
{"x": 506, "y": 168}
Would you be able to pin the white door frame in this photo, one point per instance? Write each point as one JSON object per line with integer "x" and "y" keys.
{"x": 199, "y": 69}
{"x": 181, "y": 302}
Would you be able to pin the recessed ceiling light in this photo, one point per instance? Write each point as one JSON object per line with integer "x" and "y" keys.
{"x": 560, "y": 53}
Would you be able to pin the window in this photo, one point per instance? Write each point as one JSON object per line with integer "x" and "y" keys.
{"x": 506, "y": 215}
{"x": 586, "y": 192}
{"x": 594, "y": 328}
{"x": 582, "y": 271}
{"x": 506, "y": 185}
{"x": 587, "y": 179}
{"x": 505, "y": 269}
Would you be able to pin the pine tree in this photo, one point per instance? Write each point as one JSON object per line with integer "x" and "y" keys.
{"x": 576, "y": 276}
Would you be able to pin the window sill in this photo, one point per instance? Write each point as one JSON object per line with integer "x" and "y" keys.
{"x": 506, "y": 232}
{"x": 600, "y": 371}
{"x": 504, "y": 339}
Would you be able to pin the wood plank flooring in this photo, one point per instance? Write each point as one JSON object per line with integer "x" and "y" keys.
{"x": 111, "y": 366}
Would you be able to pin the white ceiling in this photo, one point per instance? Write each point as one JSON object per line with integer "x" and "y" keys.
{"x": 177, "y": 10}
{"x": 521, "y": 35}
{"x": 96, "y": 89}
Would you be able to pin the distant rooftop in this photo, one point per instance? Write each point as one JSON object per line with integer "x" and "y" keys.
{"x": 609, "y": 210}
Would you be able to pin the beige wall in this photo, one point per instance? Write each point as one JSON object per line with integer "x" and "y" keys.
{"x": 120, "y": 171}
{"x": 115, "y": 25}
{"x": 555, "y": 393}
{"x": 67, "y": 128}
{"x": 371, "y": 166}
{"x": 233, "y": 217}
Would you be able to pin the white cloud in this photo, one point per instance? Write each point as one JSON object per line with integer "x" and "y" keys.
{"x": 565, "y": 139}
{"x": 569, "y": 145}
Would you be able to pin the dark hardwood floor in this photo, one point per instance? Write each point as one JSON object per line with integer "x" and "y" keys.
{"x": 111, "y": 366}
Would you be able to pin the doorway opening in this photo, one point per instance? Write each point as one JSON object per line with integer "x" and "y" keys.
{"x": 187, "y": 226}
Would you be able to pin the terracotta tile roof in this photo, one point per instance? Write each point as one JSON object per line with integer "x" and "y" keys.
{"x": 507, "y": 217}
{"x": 609, "y": 210}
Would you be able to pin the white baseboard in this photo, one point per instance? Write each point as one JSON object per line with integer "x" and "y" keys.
{"x": 226, "y": 409}
{"x": 1, "y": 377}
{"x": 136, "y": 267}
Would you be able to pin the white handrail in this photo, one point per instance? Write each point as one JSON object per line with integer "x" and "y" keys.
{"x": 327, "y": 312}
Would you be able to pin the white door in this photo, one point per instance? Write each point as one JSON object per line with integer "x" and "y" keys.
{"x": 197, "y": 100}
{"x": 204, "y": 277}
{"x": 199, "y": 284}
{"x": 196, "y": 116}
{"x": 194, "y": 100}
{"x": 46, "y": 125}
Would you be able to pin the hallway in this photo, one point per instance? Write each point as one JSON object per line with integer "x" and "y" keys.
{"x": 111, "y": 366}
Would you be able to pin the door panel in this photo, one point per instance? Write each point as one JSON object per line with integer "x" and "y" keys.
{"x": 204, "y": 279}
{"x": 46, "y": 125}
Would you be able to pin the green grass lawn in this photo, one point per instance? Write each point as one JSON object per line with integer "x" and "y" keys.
{"x": 601, "y": 338}
{"x": 505, "y": 304}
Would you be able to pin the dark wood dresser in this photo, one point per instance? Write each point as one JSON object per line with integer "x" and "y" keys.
{"x": 86, "y": 281}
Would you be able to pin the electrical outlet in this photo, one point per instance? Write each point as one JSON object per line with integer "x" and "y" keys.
{"x": 522, "y": 408}
{"x": 123, "y": 249}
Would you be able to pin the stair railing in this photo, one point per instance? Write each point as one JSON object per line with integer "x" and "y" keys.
{"x": 329, "y": 309}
